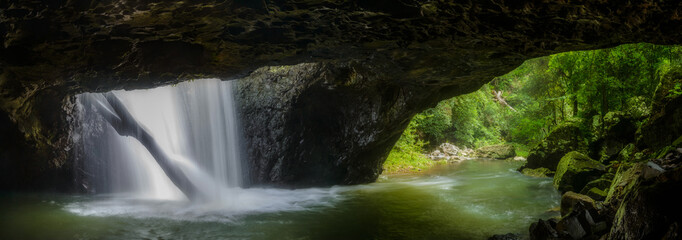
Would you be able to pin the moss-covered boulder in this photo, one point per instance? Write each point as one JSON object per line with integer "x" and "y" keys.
{"x": 597, "y": 189}
{"x": 563, "y": 139}
{"x": 638, "y": 107}
{"x": 575, "y": 170}
{"x": 501, "y": 151}
{"x": 596, "y": 194}
{"x": 570, "y": 199}
{"x": 625, "y": 180}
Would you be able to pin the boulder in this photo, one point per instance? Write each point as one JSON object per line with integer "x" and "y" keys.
{"x": 652, "y": 170}
{"x": 543, "y": 230}
{"x": 650, "y": 209}
{"x": 625, "y": 180}
{"x": 575, "y": 170}
{"x": 601, "y": 183}
{"x": 596, "y": 194}
{"x": 537, "y": 172}
{"x": 597, "y": 189}
{"x": 581, "y": 223}
{"x": 618, "y": 124}
{"x": 450, "y": 149}
{"x": 627, "y": 153}
{"x": 571, "y": 226}
{"x": 672, "y": 159}
{"x": 581, "y": 219}
{"x": 616, "y": 132}
{"x": 563, "y": 139}
{"x": 501, "y": 151}
{"x": 508, "y": 236}
{"x": 570, "y": 199}
{"x": 449, "y": 152}
{"x": 637, "y": 107}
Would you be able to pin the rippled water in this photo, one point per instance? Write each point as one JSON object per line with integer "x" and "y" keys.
{"x": 471, "y": 200}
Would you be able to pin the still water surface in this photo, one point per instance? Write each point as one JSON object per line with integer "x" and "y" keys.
{"x": 469, "y": 200}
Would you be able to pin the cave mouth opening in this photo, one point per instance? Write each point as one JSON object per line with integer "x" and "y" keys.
{"x": 579, "y": 120}
{"x": 595, "y": 91}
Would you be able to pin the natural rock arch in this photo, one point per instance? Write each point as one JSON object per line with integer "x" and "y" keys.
{"x": 382, "y": 61}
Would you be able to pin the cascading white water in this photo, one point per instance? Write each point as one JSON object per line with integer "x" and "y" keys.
{"x": 195, "y": 125}
{"x": 194, "y": 122}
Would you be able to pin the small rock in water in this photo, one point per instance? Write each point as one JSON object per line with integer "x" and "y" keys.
{"x": 508, "y": 236}
{"x": 519, "y": 158}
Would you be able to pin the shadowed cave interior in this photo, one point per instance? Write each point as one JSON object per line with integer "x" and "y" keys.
{"x": 340, "y": 119}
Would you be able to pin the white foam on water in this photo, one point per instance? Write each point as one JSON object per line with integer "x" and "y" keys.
{"x": 241, "y": 202}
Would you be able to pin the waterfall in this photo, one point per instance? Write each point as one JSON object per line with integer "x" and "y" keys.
{"x": 194, "y": 123}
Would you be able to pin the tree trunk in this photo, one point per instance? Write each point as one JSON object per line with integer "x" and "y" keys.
{"x": 604, "y": 105}
{"x": 574, "y": 102}
{"x": 125, "y": 124}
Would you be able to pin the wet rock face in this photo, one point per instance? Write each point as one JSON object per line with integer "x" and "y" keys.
{"x": 54, "y": 49}
{"x": 317, "y": 124}
{"x": 645, "y": 207}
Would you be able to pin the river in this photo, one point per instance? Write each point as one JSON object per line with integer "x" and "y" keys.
{"x": 469, "y": 200}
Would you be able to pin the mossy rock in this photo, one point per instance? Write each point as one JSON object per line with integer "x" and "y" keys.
{"x": 596, "y": 194}
{"x": 570, "y": 199}
{"x": 627, "y": 153}
{"x": 678, "y": 143}
{"x": 598, "y": 189}
{"x": 562, "y": 140}
{"x": 575, "y": 170}
{"x": 637, "y": 107}
{"x": 646, "y": 209}
{"x": 537, "y": 172}
{"x": 601, "y": 183}
{"x": 664, "y": 151}
{"x": 625, "y": 180}
{"x": 501, "y": 151}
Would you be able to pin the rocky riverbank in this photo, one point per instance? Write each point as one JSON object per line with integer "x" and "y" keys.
{"x": 618, "y": 180}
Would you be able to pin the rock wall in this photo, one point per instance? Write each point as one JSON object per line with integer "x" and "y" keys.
{"x": 373, "y": 50}
{"x": 316, "y": 124}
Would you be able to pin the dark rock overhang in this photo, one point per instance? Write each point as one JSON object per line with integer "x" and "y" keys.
{"x": 54, "y": 49}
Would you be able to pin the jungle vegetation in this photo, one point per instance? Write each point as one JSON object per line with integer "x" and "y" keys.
{"x": 537, "y": 96}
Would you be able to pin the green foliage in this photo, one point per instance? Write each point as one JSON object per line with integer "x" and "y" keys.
{"x": 435, "y": 123}
{"x": 407, "y": 154}
{"x": 545, "y": 92}
{"x": 583, "y": 84}
{"x": 676, "y": 91}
